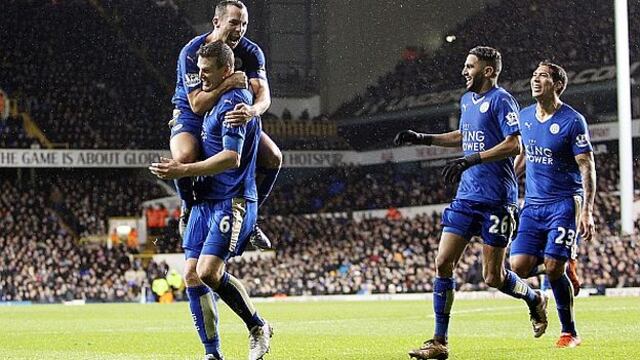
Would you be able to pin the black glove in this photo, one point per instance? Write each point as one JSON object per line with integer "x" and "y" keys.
{"x": 453, "y": 169}
{"x": 410, "y": 137}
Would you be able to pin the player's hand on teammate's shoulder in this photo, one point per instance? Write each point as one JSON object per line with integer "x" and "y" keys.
{"x": 405, "y": 137}
{"x": 237, "y": 80}
{"x": 240, "y": 115}
{"x": 167, "y": 169}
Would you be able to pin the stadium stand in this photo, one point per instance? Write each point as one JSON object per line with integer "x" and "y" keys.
{"x": 79, "y": 102}
{"x": 76, "y": 99}
{"x": 525, "y": 33}
{"x": 13, "y": 135}
{"x": 42, "y": 261}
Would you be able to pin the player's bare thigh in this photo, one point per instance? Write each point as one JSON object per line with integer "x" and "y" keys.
{"x": 450, "y": 249}
{"x": 184, "y": 147}
{"x": 269, "y": 155}
{"x": 523, "y": 264}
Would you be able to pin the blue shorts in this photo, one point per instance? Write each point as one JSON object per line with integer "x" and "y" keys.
{"x": 221, "y": 228}
{"x": 548, "y": 230}
{"x": 494, "y": 223}
{"x": 186, "y": 121}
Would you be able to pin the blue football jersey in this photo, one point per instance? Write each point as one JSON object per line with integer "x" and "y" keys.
{"x": 485, "y": 121}
{"x": 188, "y": 74}
{"x": 551, "y": 147}
{"x": 249, "y": 58}
{"x": 216, "y": 137}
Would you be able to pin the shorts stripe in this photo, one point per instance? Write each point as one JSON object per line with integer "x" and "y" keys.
{"x": 238, "y": 209}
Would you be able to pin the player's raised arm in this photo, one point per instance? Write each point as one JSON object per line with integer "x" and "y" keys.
{"x": 410, "y": 137}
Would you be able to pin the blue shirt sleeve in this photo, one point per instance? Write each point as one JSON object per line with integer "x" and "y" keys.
{"x": 580, "y": 139}
{"x": 188, "y": 65}
{"x": 256, "y": 67}
{"x": 506, "y": 110}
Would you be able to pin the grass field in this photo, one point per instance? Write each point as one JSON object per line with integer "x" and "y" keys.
{"x": 480, "y": 329}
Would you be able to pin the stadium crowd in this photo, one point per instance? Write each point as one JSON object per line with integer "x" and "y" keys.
{"x": 42, "y": 261}
{"x": 118, "y": 193}
{"x": 315, "y": 254}
{"x": 13, "y": 135}
{"x": 76, "y": 98}
{"x": 318, "y": 255}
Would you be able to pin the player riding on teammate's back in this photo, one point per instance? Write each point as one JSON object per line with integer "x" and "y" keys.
{"x": 192, "y": 102}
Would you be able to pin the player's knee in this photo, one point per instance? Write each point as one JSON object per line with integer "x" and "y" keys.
{"x": 210, "y": 277}
{"x": 191, "y": 277}
{"x": 520, "y": 269}
{"x": 444, "y": 267}
{"x": 183, "y": 156}
{"x": 554, "y": 269}
{"x": 269, "y": 155}
{"x": 272, "y": 159}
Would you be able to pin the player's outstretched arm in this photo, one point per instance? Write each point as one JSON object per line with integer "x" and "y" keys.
{"x": 168, "y": 169}
{"x": 410, "y": 137}
{"x": 202, "y": 101}
{"x": 243, "y": 113}
{"x": 587, "y": 167}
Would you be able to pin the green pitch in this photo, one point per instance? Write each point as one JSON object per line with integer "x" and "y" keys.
{"x": 487, "y": 329}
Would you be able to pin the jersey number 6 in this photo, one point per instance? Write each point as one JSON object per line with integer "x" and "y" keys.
{"x": 225, "y": 225}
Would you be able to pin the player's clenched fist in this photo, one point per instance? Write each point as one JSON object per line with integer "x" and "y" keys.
{"x": 453, "y": 169}
{"x": 410, "y": 137}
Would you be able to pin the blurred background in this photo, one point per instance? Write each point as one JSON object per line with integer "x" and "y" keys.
{"x": 85, "y": 90}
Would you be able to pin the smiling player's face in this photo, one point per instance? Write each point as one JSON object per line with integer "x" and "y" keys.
{"x": 232, "y": 25}
{"x": 542, "y": 83}
{"x": 472, "y": 71}
{"x": 210, "y": 75}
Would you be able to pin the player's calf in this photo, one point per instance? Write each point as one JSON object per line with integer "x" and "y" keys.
{"x": 572, "y": 274}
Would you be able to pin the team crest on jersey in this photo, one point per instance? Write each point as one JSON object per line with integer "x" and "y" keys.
{"x": 528, "y": 125}
{"x": 191, "y": 80}
{"x": 512, "y": 118}
{"x": 582, "y": 140}
{"x": 554, "y": 129}
{"x": 238, "y": 63}
{"x": 484, "y": 107}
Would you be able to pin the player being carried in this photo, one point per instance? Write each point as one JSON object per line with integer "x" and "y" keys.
{"x": 560, "y": 173}
{"x": 191, "y": 102}
{"x": 225, "y": 210}
{"x": 485, "y": 203}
